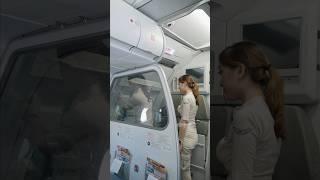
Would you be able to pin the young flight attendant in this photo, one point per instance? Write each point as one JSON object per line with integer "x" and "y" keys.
{"x": 252, "y": 147}
{"x": 188, "y": 136}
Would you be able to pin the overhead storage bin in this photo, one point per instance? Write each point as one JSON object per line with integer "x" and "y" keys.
{"x": 152, "y": 37}
{"x": 124, "y": 22}
{"x": 135, "y": 39}
{"x": 134, "y": 28}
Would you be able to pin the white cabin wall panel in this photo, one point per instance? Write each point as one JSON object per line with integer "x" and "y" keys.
{"x": 182, "y": 54}
{"x": 179, "y": 68}
{"x": 180, "y": 51}
{"x": 201, "y": 60}
{"x": 168, "y": 73}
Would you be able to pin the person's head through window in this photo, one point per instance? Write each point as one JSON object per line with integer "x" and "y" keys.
{"x": 141, "y": 99}
{"x": 245, "y": 73}
{"x": 187, "y": 85}
{"x": 140, "y": 91}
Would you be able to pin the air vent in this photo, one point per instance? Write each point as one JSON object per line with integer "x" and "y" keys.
{"x": 167, "y": 62}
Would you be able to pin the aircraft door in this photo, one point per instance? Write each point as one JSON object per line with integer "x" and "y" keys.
{"x": 143, "y": 129}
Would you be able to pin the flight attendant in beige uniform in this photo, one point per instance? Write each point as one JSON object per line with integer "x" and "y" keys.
{"x": 188, "y": 136}
{"x": 252, "y": 147}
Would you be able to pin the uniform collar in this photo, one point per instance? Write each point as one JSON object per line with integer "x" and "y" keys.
{"x": 253, "y": 100}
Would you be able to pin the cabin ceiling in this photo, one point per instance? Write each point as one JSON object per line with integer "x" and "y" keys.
{"x": 226, "y": 9}
{"x": 159, "y": 9}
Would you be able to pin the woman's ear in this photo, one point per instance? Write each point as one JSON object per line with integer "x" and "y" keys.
{"x": 241, "y": 71}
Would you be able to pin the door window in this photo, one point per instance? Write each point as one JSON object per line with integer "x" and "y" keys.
{"x": 139, "y": 100}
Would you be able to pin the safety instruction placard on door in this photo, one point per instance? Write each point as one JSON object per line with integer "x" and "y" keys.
{"x": 155, "y": 170}
{"x": 121, "y": 164}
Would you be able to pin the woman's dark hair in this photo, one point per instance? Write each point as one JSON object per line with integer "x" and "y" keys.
{"x": 192, "y": 85}
{"x": 261, "y": 72}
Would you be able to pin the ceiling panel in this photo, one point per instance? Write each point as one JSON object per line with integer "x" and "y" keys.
{"x": 158, "y": 9}
{"x": 193, "y": 28}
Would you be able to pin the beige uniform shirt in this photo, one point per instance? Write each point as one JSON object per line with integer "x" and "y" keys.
{"x": 250, "y": 150}
{"x": 188, "y": 110}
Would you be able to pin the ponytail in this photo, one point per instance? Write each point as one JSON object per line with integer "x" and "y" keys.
{"x": 195, "y": 91}
{"x": 272, "y": 86}
{"x": 274, "y": 98}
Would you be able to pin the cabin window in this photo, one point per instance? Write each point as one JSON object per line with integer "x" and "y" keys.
{"x": 280, "y": 40}
{"x": 53, "y": 113}
{"x": 139, "y": 100}
{"x": 197, "y": 75}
